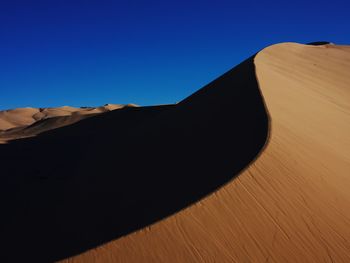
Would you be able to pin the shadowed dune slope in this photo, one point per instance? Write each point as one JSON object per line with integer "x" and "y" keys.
{"x": 293, "y": 203}
{"x": 77, "y": 187}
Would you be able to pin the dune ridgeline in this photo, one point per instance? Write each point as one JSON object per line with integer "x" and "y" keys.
{"x": 28, "y": 122}
{"x": 253, "y": 167}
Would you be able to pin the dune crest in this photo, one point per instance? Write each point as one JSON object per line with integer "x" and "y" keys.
{"x": 77, "y": 187}
{"x": 253, "y": 167}
{"x": 292, "y": 204}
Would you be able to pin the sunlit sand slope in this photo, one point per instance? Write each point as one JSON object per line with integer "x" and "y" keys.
{"x": 293, "y": 203}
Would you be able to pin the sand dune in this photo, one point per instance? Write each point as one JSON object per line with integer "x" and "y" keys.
{"x": 26, "y": 122}
{"x": 17, "y": 117}
{"x": 292, "y": 204}
{"x": 76, "y": 187}
{"x": 122, "y": 175}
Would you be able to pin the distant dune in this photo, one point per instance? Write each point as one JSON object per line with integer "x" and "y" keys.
{"x": 26, "y": 122}
{"x": 254, "y": 167}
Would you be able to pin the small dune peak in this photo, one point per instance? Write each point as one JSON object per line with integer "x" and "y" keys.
{"x": 109, "y": 106}
{"x": 131, "y": 105}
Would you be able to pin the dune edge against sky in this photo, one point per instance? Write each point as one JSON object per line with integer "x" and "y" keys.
{"x": 291, "y": 204}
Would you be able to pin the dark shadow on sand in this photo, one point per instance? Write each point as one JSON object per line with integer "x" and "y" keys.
{"x": 77, "y": 187}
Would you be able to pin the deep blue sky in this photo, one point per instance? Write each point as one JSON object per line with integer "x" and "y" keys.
{"x": 88, "y": 53}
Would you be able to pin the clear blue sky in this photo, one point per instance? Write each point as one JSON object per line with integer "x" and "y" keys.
{"x": 88, "y": 53}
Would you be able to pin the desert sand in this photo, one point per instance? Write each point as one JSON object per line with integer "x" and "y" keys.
{"x": 254, "y": 167}
{"x": 27, "y": 122}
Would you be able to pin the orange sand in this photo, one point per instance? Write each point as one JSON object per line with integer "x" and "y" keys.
{"x": 293, "y": 203}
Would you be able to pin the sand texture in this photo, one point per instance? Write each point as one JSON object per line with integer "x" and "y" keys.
{"x": 254, "y": 167}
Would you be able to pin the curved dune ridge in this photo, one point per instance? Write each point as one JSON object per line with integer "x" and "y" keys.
{"x": 199, "y": 181}
{"x": 26, "y": 122}
{"x": 80, "y": 186}
{"x": 293, "y": 203}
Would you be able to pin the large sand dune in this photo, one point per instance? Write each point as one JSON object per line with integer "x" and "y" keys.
{"x": 112, "y": 177}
